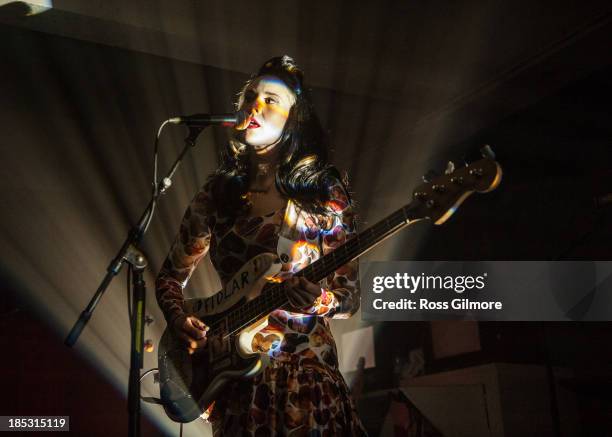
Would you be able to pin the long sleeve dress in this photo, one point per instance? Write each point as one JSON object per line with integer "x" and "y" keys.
{"x": 301, "y": 392}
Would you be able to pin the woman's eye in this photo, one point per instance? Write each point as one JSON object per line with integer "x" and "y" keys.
{"x": 269, "y": 100}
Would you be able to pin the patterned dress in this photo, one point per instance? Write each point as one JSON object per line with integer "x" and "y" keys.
{"x": 301, "y": 392}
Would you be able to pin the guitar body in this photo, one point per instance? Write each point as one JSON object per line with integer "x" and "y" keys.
{"x": 189, "y": 384}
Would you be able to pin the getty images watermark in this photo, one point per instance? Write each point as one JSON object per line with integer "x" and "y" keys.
{"x": 486, "y": 290}
{"x": 411, "y": 284}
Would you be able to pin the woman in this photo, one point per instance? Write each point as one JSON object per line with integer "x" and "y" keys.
{"x": 274, "y": 192}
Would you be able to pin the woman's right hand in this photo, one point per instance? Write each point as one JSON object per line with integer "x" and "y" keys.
{"x": 191, "y": 330}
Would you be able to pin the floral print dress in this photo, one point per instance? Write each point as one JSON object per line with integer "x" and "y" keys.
{"x": 301, "y": 392}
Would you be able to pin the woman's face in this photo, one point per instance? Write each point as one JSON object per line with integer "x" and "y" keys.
{"x": 268, "y": 101}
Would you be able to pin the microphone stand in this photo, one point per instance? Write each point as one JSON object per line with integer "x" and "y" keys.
{"x": 137, "y": 262}
{"x": 130, "y": 253}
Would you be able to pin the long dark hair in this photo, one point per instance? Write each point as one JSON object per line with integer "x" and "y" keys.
{"x": 304, "y": 173}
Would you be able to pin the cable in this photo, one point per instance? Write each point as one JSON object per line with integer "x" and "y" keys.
{"x": 155, "y": 172}
{"x": 150, "y": 400}
{"x": 149, "y": 217}
{"x": 154, "y": 369}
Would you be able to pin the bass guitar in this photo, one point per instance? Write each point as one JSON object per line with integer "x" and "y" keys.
{"x": 189, "y": 384}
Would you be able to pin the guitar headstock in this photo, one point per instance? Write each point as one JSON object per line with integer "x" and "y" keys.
{"x": 440, "y": 196}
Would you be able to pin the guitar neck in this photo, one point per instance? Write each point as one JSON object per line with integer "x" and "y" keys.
{"x": 275, "y": 297}
{"x": 435, "y": 199}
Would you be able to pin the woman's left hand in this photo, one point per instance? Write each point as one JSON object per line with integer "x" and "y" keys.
{"x": 302, "y": 293}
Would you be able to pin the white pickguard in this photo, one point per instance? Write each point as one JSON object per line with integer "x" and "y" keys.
{"x": 248, "y": 283}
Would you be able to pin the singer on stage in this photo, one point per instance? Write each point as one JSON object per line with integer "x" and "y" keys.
{"x": 274, "y": 191}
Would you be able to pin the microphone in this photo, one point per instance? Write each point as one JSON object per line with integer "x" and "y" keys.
{"x": 238, "y": 120}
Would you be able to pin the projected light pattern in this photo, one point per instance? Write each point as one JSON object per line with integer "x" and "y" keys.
{"x": 303, "y": 254}
{"x": 260, "y": 102}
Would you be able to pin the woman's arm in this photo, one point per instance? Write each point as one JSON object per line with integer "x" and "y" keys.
{"x": 340, "y": 294}
{"x": 189, "y": 247}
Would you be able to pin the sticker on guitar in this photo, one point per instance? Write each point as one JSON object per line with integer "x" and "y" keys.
{"x": 251, "y": 277}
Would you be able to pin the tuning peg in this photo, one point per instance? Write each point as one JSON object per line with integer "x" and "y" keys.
{"x": 487, "y": 152}
{"x": 450, "y": 167}
{"x": 430, "y": 176}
